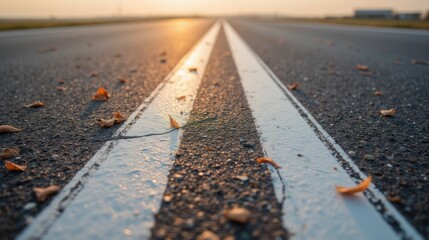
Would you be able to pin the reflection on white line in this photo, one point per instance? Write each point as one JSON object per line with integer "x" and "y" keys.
{"x": 312, "y": 208}
{"x": 121, "y": 196}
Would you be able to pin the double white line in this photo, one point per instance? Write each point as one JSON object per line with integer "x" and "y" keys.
{"x": 120, "y": 189}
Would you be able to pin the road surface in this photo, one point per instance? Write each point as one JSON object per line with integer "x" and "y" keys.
{"x": 218, "y": 147}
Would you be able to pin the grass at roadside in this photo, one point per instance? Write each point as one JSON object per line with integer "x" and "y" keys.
{"x": 410, "y": 24}
{"x": 15, "y": 24}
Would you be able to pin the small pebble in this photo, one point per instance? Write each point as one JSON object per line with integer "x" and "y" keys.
{"x": 352, "y": 154}
{"x": 368, "y": 157}
{"x": 29, "y": 206}
{"x": 55, "y": 156}
{"x": 207, "y": 235}
{"x": 389, "y": 165}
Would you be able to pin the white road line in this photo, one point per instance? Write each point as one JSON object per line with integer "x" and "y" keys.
{"x": 120, "y": 189}
{"x": 312, "y": 209}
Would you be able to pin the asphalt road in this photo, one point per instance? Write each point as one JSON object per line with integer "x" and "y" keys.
{"x": 60, "y": 138}
{"x": 322, "y": 59}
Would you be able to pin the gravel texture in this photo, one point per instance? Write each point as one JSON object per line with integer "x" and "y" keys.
{"x": 215, "y": 167}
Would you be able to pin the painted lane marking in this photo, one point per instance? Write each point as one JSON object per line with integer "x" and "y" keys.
{"x": 306, "y": 185}
{"x": 120, "y": 189}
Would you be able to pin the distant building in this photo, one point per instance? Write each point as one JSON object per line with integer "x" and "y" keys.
{"x": 377, "y": 14}
{"x": 409, "y": 16}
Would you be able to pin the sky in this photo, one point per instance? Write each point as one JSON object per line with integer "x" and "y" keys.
{"x": 104, "y": 8}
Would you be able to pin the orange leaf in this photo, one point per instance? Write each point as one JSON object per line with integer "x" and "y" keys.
{"x": 362, "y": 68}
{"x": 14, "y": 167}
{"x": 378, "y": 93}
{"x": 106, "y": 123}
{"x": 237, "y": 214}
{"x": 35, "y": 104}
{"x": 101, "y": 95}
{"x": 388, "y": 113}
{"x": 43, "y": 193}
{"x": 173, "y": 123}
{"x": 352, "y": 190}
{"x": 118, "y": 117}
{"x": 61, "y": 88}
{"x": 9, "y": 153}
{"x": 181, "y": 98}
{"x": 268, "y": 160}
{"x": 292, "y": 86}
{"x": 9, "y": 129}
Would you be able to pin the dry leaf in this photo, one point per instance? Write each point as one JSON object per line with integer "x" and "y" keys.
{"x": 118, "y": 117}
{"x": 122, "y": 80}
{"x": 14, "y": 167}
{"x": 268, "y": 160}
{"x": 61, "y": 88}
{"x": 9, "y": 129}
{"x": 173, "y": 123}
{"x": 208, "y": 235}
{"x": 101, "y": 95}
{"x": 388, "y": 113}
{"x": 352, "y": 190}
{"x": 35, "y": 104}
{"x": 93, "y": 74}
{"x": 43, "y": 193}
{"x": 106, "y": 123}
{"x": 181, "y": 98}
{"x": 362, "y": 68}
{"x": 237, "y": 214}
{"x": 394, "y": 199}
{"x": 192, "y": 69}
{"x": 378, "y": 93}
{"x": 292, "y": 86}
{"x": 9, "y": 153}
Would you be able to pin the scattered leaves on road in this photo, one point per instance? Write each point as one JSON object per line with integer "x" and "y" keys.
{"x": 268, "y": 160}
{"x": 356, "y": 189}
{"x": 208, "y": 235}
{"x": 10, "y": 166}
{"x": 43, "y": 193}
{"x": 9, "y": 129}
{"x": 238, "y": 214}
{"x": 9, "y": 153}
{"x": 173, "y": 123}
{"x": 35, "y": 104}
{"x": 101, "y": 95}
{"x": 378, "y": 93}
{"x": 118, "y": 117}
{"x": 292, "y": 86}
{"x": 362, "y": 68}
{"x": 388, "y": 113}
{"x": 105, "y": 123}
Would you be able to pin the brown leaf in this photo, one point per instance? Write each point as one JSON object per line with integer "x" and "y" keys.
{"x": 237, "y": 214}
{"x": 93, "y": 74}
{"x": 118, "y": 117}
{"x": 208, "y": 235}
{"x": 394, "y": 199}
{"x": 101, "y": 95}
{"x": 9, "y": 153}
{"x": 9, "y": 129}
{"x": 61, "y": 88}
{"x": 35, "y": 104}
{"x": 292, "y": 86}
{"x": 106, "y": 123}
{"x": 362, "y": 68}
{"x": 378, "y": 93}
{"x": 173, "y": 123}
{"x": 352, "y": 190}
{"x": 268, "y": 160}
{"x": 388, "y": 113}
{"x": 122, "y": 80}
{"x": 14, "y": 167}
{"x": 181, "y": 98}
{"x": 193, "y": 69}
{"x": 43, "y": 193}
